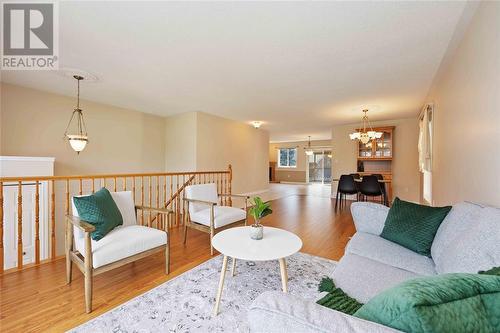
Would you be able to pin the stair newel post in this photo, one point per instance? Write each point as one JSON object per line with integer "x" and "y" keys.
{"x": 37, "y": 222}
{"x": 229, "y": 185}
{"x": 1, "y": 227}
{"x": 20, "y": 225}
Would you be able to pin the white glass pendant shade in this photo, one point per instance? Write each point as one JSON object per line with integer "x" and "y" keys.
{"x": 354, "y": 136}
{"x": 309, "y": 152}
{"x": 77, "y": 142}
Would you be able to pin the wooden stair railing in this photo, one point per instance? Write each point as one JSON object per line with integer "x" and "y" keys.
{"x": 148, "y": 189}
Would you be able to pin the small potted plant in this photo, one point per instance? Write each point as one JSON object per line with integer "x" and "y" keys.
{"x": 258, "y": 210}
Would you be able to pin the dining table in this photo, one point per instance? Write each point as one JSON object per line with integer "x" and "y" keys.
{"x": 387, "y": 183}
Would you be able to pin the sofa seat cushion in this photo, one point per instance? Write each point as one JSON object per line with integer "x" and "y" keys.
{"x": 477, "y": 249}
{"x": 389, "y": 253}
{"x": 122, "y": 242}
{"x": 223, "y": 215}
{"x": 277, "y": 312}
{"x": 363, "y": 278}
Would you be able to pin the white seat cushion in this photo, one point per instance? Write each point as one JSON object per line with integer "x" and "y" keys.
{"x": 389, "y": 253}
{"x": 223, "y": 215}
{"x": 122, "y": 242}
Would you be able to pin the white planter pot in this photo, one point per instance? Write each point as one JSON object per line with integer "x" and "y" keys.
{"x": 256, "y": 231}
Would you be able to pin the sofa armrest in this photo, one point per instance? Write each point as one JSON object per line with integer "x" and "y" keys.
{"x": 278, "y": 312}
{"x": 369, "y": 217}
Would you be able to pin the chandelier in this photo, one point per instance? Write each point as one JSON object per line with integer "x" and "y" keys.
{"x": 78, "y": 139}
{"x": 366, "y": 136}
{"x": 309, "y": 151}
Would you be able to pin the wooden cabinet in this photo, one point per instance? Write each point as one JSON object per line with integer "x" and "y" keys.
{"x": 376, "y": 156}
{"x": 378, "y": 148}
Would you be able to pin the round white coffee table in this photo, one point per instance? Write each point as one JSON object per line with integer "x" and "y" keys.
{"x": 236, "y": 243}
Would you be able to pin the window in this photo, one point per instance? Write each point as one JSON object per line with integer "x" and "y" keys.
{"x": 425, "y": 151}
{"x": 287, "y": 157}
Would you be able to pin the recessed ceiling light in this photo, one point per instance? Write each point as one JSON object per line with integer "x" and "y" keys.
{"x": 256, "y": 124}
{"x": 71, "y": 72}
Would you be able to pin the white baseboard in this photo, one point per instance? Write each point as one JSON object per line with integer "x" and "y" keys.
{"x": 296, "y": 183}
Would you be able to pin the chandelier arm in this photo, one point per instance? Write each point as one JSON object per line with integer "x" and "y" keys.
{"x": 84, "y": 127}
{"x": 69, "y": 123}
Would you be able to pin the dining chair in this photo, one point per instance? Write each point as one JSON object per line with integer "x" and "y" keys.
{"x": 370, "y": 187}
{"x": 204, "y": 214}
{"x": 382, "y": 187}
{"x": 356, "y": 176}
{"x": 346, "y": 186}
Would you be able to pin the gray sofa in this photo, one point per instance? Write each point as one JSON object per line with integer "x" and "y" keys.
{"x": 467, "y": 241}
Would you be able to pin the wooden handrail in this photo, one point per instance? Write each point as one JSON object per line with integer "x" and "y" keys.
{"x": 179, "y": 191}
{"x": 111, "y": 175}
{"x": 52, "y": 202}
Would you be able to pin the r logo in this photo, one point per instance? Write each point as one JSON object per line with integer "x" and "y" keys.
{"x": 28, "y": 29}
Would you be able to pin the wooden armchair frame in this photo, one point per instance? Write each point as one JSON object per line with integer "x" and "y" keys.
{"x": 211, "y": 229}
{"x": 84, "y": 263}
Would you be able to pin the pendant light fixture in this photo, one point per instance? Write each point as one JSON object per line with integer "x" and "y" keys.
{"x": 366, "y": 136}
{"x": 77, "y": 139}
{"x": 309, "y": 150}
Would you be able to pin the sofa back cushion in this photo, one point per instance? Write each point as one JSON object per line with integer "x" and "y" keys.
{"x": 456, "y": 303}
{"x": 477, "y": 248}
{"x": 461, "y": 218}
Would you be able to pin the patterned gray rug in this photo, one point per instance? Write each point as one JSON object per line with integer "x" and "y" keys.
{"x": 185, "y": 303}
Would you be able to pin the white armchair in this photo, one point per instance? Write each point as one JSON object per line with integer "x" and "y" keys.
{"x": 122, "y": 245}
{"x": 205, "y": 215}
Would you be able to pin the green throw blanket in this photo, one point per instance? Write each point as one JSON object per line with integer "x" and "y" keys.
{"x": 336, "y": 298}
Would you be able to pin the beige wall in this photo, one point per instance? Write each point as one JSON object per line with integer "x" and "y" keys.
{"x": 180, "y": 142}
{"x": 298, "y": 174}
{"x": 221, "y": 142}
{"x": 406, "y": 177}
{"x": 199, "y": 141}
{"x": 466, "y": 97}
{"x": 120, "y": 140}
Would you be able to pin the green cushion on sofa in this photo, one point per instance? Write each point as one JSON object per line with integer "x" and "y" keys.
{"x": 100, "y": 210}
{"x": 457, "y": 302}
{"x": 413, "y": 226}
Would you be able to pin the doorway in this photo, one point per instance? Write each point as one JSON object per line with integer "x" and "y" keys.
{"x": 320, "y": 167}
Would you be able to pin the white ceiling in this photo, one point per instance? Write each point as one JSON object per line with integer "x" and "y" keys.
{"x": 300, "y": 67}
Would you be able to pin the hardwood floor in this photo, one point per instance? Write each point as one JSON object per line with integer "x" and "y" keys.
{"x": 38, "y": 299}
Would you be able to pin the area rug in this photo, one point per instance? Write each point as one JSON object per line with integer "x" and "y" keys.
{"x": 185, "y": 303}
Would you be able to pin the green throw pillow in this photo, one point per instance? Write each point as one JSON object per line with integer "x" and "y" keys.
{"x": 457, "y": 302}
{"x": 337, "y": 299}
{"x": 413, "y": 226}
{"x": 100, "y": 210}
{"x": 492, "y": 271}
